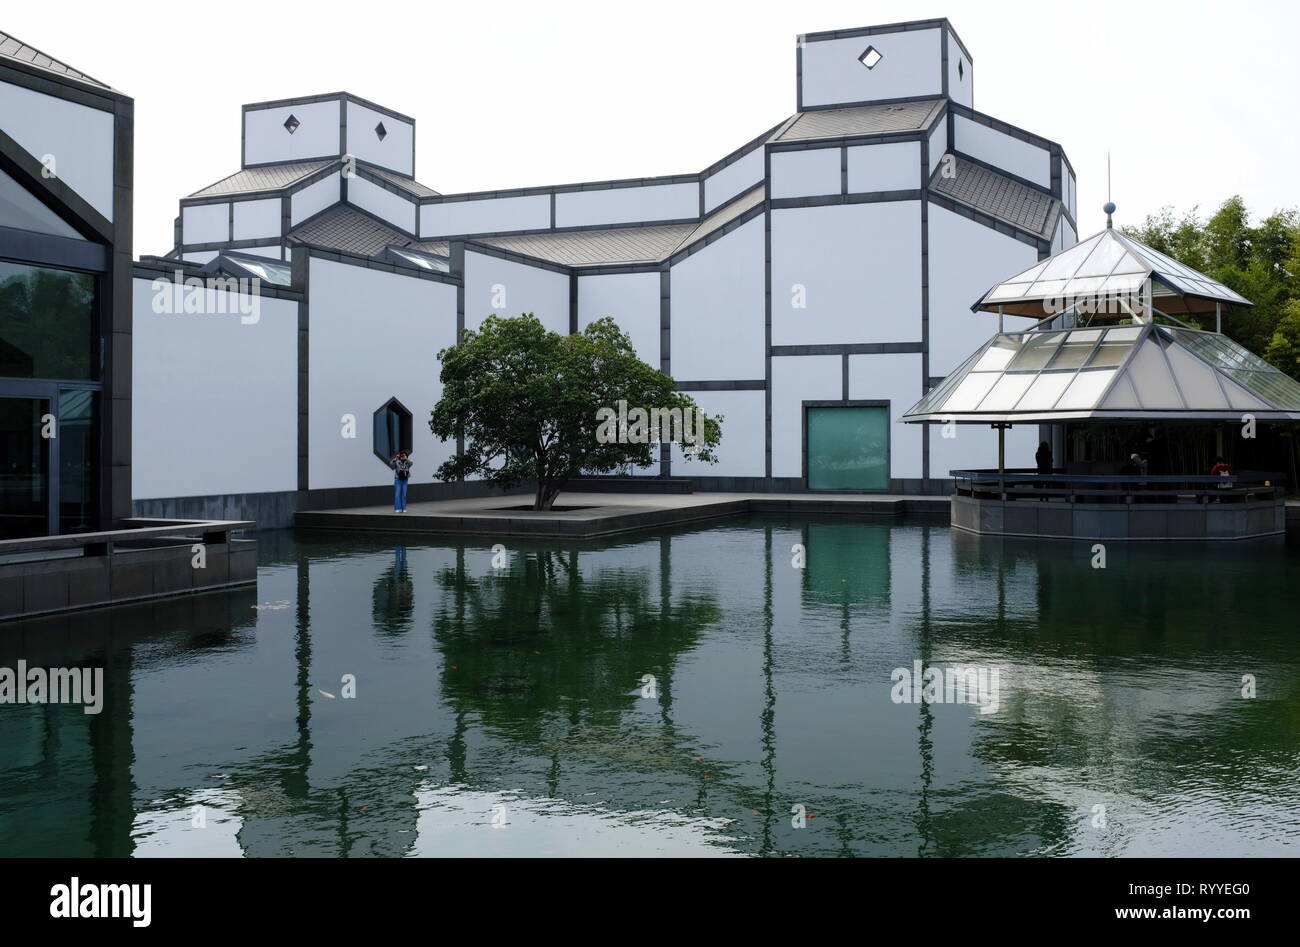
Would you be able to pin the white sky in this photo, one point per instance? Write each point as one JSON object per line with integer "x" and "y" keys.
{"x": 1194, "y": 100}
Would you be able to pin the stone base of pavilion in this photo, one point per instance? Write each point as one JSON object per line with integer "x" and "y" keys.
{"x": 1118, "y": 508}
{"x": 583, "y": 515}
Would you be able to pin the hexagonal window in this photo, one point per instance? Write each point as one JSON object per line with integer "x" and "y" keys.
{"x": 392, "y": 429}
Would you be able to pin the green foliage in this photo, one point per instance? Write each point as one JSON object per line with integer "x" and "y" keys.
{"x": 1261, "y": 263}
{"x": 528, "y": 404}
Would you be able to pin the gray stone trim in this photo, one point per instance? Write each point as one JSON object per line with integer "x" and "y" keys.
{"x": 665, "y": 350}
{"x": 220, "y": 245}
{"x": 301, "y": 265}
{"x": 925, "y": 277}
{"x": 60, "y": 85}
{"x": 836, "y": 141}
{"x": 859, "y": 103}
{"x": 744, "y": 384}
{"x": 456, "y": 268}
{"x": 580, "y": 228}
{"x": 826, "y": 200}
{"x": 50, "y": 250}
{"x": 558, "y": 188}
{"x": 573, "y": 302}
{"x": 849, "y": 348}
{"x": 767, "y": 306}
{"x": 342, "y": 97}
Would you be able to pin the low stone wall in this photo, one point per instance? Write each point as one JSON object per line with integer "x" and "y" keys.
{"x": 48, "y": 585}
{"x": 1113, "y": 521}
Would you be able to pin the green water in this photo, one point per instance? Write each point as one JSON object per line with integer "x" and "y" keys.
{"x": 515, "y": 696}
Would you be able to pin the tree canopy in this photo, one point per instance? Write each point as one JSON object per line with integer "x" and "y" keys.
{"x": 535, "y": 406}
{"x": 1261, "y": 262}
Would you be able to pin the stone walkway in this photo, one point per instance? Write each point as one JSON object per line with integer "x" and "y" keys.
{"x": 587, "y": 515}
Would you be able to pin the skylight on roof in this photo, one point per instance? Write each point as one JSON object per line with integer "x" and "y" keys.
{"x": 870, "y": 57}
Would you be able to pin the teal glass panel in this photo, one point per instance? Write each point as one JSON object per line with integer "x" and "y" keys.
{"x": 848, "y": 448}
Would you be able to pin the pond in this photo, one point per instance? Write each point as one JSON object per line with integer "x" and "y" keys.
{"x": 748, "y": 687}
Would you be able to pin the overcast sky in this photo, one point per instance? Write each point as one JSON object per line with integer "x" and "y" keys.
{"x": 1194, "y": 100}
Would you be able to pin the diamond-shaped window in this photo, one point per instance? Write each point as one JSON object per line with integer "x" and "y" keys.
{"x": 381, "y": 131}
{"x": 291, "y": 124}
{"x": 961, "y": 70}
{"x": 870, "y": 57}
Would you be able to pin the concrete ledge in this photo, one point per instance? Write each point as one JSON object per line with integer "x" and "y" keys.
{"x": 592, "y": 515}
{"x": 1052, "y": 519}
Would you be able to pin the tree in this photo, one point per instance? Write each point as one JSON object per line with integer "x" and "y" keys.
{"x": 1260, "y": 262}
{"x": 533, "y": 405}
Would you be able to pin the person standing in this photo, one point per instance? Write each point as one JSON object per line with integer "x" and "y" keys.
{"x": 401, "y": 478}
{"x": 1044, "y": 458}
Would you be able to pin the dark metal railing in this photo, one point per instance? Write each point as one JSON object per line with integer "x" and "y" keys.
{"x": 1026, "y": 484}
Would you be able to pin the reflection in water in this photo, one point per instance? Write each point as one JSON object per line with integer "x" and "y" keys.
{"x": 501, "y": 710}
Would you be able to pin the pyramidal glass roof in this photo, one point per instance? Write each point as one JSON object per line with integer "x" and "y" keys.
{"x": 1108, "y": 264}
{"x": 1139, "y": 371}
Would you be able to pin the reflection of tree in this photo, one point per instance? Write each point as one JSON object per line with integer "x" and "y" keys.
{"x": 542, "y": 639}
{"x": 394, "y": 596}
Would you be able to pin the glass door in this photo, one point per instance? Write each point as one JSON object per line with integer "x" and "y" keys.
{"x": 25, "y": 433}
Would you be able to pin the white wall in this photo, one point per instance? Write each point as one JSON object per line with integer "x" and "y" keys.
{"x": 890, "y": 167}
{"x": 382, "y": 202}
{"x": 255, "y": 219}
{"x": 489, "y": 215}
{"x": 735, "y": 178}
{"x": 314, "y": 198}
{"x": 214, "y": 406}
{"x": 718, "y": 302}
{"x": 960, "y": 87}
{"x": 912, "y": 64}
{"x": 374, "y": 336}
{"x": 966, "y": 259}
{"x": 895, "y": 378}
{"x": 860, "y": 267}
{"x": 627, "y": 205}
{"x": 205, "y": 223}
{"x": 938, "y": 143}
{"x": 742, "y": 452}
{"x": 518, "y": 287}
{"x": 79, "y": 138}
{"x": 805, "y": 173}
{"x": 632, "y": 299}
{"x": 1003, "y": 151}
{"x": 395, "y": 151}
{"x": 795, "y": 379}
{"x": 317, "y": 135}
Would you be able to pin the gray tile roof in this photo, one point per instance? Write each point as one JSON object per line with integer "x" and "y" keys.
{"x": 345, "y": 228}
{"x": 410, "y": 185}
{"x": 590, "y": 247}
{"x": 17, "y": 49}
{"x": 725, "y": 215}
{"x": 437, "y": 247}
{"x": 860, "y": 120}
{"x": 998, "y": 196}
{"x": 270, "y": 178}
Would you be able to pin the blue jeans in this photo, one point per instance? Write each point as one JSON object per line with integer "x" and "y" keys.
{"x": 399, "y": 493}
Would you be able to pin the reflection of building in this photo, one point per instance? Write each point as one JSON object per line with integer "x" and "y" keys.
{"x": 65, "y": 320}
{"x": 808, "y": 286}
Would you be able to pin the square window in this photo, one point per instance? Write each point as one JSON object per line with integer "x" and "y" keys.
{"x": 870, "y": 57}
{"x": 848, "y": 447}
